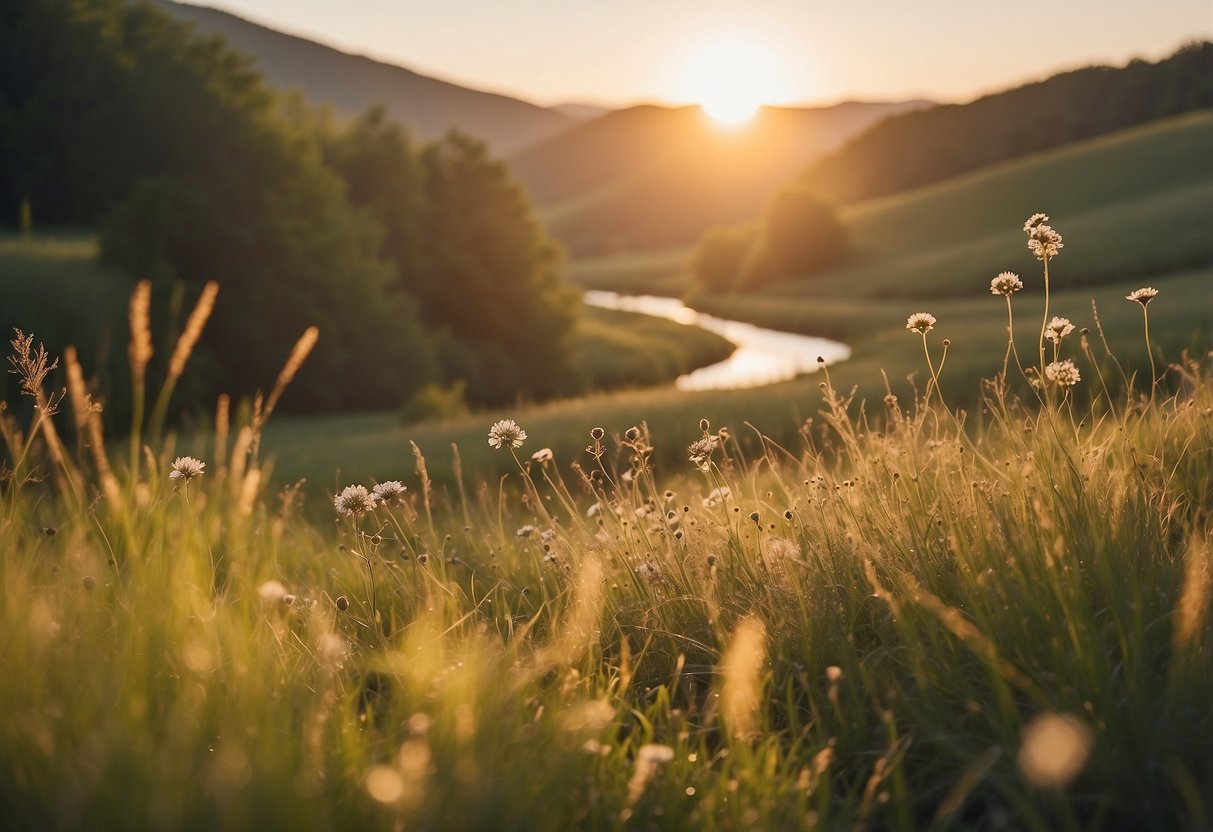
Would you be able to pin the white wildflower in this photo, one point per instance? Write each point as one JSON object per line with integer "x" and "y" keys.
{"x": 387, "y": 491}
{"x": 1064, "y": 373}
{"x": 1143, "y": 295}
{"x": 1058, "y": 329}
{"x": 506, "y": 433}
{"x": 920, "y": 322}
{"x": 186, "y": 468}
{"x": 700, "y": 451}
{"x": 1005, "y": 284}
{"x": 354, "y": 501}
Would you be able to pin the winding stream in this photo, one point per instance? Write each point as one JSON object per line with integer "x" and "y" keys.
{"x": 763, "y": 356}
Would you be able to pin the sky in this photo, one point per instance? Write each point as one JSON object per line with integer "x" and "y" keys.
{"x": 619, "y": 52}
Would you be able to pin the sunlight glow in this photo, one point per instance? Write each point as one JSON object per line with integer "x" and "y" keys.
{"x": 731, "y": 77}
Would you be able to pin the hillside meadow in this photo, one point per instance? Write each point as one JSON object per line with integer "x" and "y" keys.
{"x": 895, "y": 622}
{"x": 1138, "y": 205}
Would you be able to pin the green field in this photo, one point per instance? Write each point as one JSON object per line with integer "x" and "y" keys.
{"x": 889, "y": 624}
{"x": 1145, "y": 195}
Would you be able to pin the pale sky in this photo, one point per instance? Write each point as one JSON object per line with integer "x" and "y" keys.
{"x": 619, "y": 52}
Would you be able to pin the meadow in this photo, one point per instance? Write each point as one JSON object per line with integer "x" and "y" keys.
{"x": 905, "y": 616}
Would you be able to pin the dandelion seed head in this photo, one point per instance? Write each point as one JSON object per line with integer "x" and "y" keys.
{"x": 354, "y": 501}
{"x": 1005, "y": 284}
{"x": 1143, "y": 295}
{"x": 920, "y": 322}
{"x": 1064, "y": 373}
{"x": 506, "y": 433}
{"x": 186, "y": 468}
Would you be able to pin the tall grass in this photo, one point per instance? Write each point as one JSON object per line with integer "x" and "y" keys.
{"x": 901, "y": 621}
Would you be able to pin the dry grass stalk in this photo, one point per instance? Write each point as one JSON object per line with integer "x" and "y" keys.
{"x": 302, "y": 349}
{"x": 223, "y": 408}
{"x": 140, "y": 349}
{"x": 1194, "y": 600}
{"x": 82, "y": 404}
{"x": 193, "y": 330}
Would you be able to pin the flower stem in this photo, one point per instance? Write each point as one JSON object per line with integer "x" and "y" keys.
{"x": 1006, "y": 359}
{"x": 1045, "y": 322}
{"x": 931, "y": 367}
{"x": 1145, "y": 314}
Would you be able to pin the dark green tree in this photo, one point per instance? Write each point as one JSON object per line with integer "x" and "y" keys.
{"x": 489, "y": 275}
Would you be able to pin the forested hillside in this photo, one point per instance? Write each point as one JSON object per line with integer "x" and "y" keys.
{"x": 424, "y": 257}
{"x": 919, "y": 148}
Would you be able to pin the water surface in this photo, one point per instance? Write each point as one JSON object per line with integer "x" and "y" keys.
{"x": 763, "y": 356}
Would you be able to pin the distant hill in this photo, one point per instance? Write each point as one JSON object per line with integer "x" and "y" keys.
{"x": 920, "y": 148}
{"x": 1136, "y": 204}
{"x": 649, "y": 176}
{"x": 354, "y": 84}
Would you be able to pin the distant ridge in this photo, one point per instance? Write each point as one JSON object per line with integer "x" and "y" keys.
{"x": 354, "y": 84}
{"x": 650, "y": 176}
{"x": 920, "y": 148}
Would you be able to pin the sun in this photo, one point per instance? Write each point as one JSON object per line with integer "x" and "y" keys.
{"x": 730, "y": 78}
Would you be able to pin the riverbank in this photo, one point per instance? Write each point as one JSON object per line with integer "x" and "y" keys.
{"x": 762, "y": 356}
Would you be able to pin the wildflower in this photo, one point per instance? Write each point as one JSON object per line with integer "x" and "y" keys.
{"x": 717, "y": 496}
{"x": 1044, "y": 242}
{"x": 701, "y": 450}
{"x": 185, "y": 468}
{"x": 921, "y": 322}
{"x": 1063, "y": 373}
{"x": 1057, "y": 329}
{"x": 506, "y": 432}
{"x": 525, "y": 531}
{"x": 1005, "y": 284}
{"x": 1034, "y": 221}
{"x": 353, "y": 501}
{"x": 632, "y": 433}
{"x": 387, "y": 491}
{"x": 594, "y": 510}
{"x": 342, "y": 603}
{"x": 597, "y": 433}
{"x": 1143, "y": 295}
{"x": 543, "y": 455}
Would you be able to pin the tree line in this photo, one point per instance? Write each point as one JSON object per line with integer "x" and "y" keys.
{"x": 420, "y": 263}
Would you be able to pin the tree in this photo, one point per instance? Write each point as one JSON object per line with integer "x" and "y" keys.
{"x": 489, "y": 275}
{"x": 800, "y": 236}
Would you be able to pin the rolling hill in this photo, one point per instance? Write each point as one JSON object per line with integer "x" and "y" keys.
{"x": 354, "y": 84}
{"x": 650, "y": 177}
{"x": 919, "y": 148}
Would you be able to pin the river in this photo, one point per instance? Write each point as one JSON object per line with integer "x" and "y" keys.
{"x": 763, "y": 356}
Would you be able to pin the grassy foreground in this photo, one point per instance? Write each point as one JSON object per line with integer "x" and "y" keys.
{"x": 891, "y": 624}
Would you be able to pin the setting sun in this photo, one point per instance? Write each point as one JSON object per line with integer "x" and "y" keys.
{"x": 731, "y": 78}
